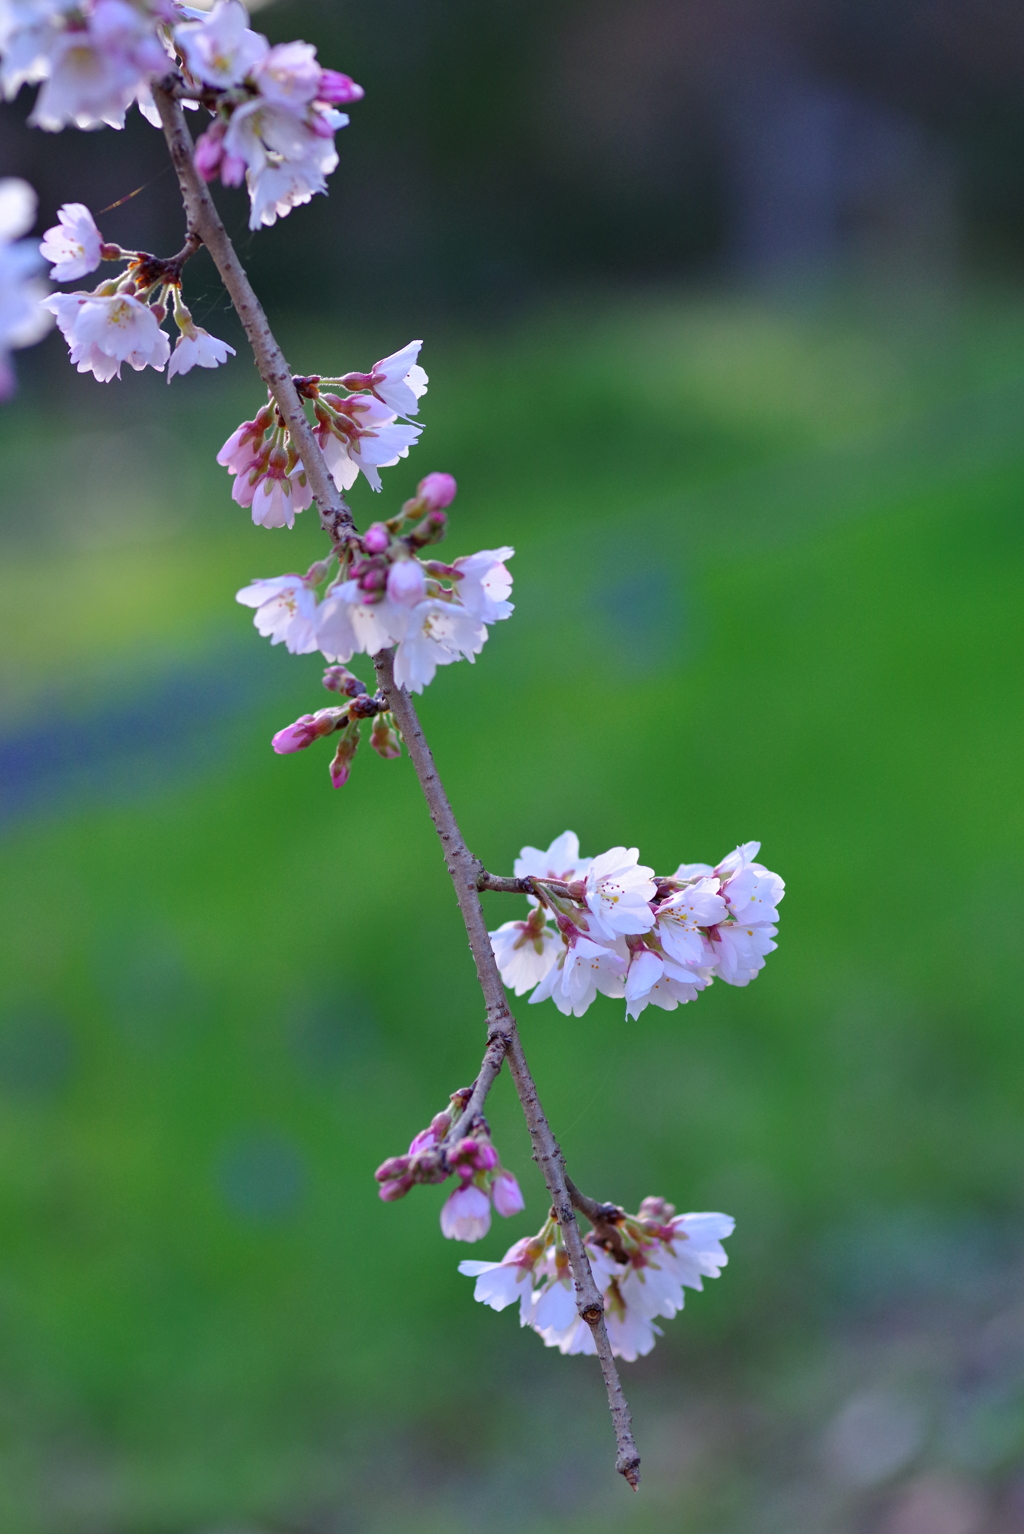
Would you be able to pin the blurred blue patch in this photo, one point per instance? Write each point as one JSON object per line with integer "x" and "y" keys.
{"x": 261, "y": 1176}
{"x": 329, "y": 1034}
{"x": 152, "y": 994}
{"x": 133, "y": 730}
{"x": 644, "y": 616}
{"x": 37, "y": 1054}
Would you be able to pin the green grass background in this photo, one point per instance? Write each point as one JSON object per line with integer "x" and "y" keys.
{"x": 768, "y": 580}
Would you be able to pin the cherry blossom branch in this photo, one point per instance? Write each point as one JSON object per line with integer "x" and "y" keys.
{"x": 465, "y": 871}
{"x": 205, "y": 222}
{"x": 502, "y": 1034}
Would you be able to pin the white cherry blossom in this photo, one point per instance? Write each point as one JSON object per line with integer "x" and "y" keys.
{"x": 738, "y": 949}
{"x": 288, "y": 153}
{"x": 74, "y": 244}
{"x": 682, "y": 915}
{"x": 524, "y": 953}
{"x": 560, "y": 861}
{"x": 576, "y": 977}
{"x": 280, "y": 495}
{"x": 286, "y": 610}
{"x": 197, "y": 348}
{"x": 23, "y": 319}
{"x": 288, "y": 74}
{"x": 660, "y": 982}
{"x": 365, "y": 438}
{"x": 500, "y": 1284}
{"x": 221, "y": 49}
{"x": 437, "y": 633}
{"x": 483, "y": 584}
{"x": 96, "y": 67}
{"x": 618, "y": 893}
{"x": 398, "y": 381}
{"x": 104, "y": 331}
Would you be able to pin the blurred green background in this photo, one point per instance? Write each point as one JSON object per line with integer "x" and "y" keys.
{"x": 769, "y": 561}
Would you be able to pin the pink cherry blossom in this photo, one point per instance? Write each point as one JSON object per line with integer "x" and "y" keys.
{"x": 507, "y": 1195}
{"x": 466, "y": 1214}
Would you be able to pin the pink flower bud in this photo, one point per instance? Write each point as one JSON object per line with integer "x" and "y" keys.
{"x": 297, "y": 736}
{"x": 486, "y": 1156}
{"x": 209, "y": 151}
{"x": 389, "y": 1191}
{"x": 407, "y": 582}
{"x": 508, "y": 1198}
{"x": 384, "y": 739}
{"x": 232, "y": 170}
{"x": 376, "y": 538}
{"x": 424, "y": 1138}
{"x": 338, "y": 89}
{"x": 394, "y": 1166}
{"x": 341, "y": 679}
{"x": 436, "y": 491}
{"x": 466, "y": 1214}
{"x": 341, "y": 766}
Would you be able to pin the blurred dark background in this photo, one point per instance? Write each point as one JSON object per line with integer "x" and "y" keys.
{"x": 724, "y": 320}
{"x": 508, "y": 147}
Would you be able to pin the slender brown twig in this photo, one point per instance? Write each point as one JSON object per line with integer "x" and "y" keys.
{"x": 205, "y": 221}
{"x": 503, "y": 1039}
{"x": 465, "y": 870}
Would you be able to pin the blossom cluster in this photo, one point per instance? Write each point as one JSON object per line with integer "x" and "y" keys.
{"x": 472, "y": 1158}
{"x": 275, "y": 109}
{"x": 608, "y": 924}
{"x": 641, "y": 1273}
{"x": 93, "y": 57}
{"x": 120, "y": 320}
{"x": 359, "y": 431}
{"x": 384, "y": 594}
{"x": 23, "y": 320}
{"x": 347, "y": 719}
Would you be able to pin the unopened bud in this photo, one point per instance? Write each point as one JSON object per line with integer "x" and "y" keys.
{"x": 338, "y": 89}
{"x": 440, "y": 1124}
{"x": 407, "y": 582}
{"x": 436, "y": 491}
{"x": 341, "y": 679}
{"x": 658, "y": 1209}
{"x": 389, "y": 1191}
{"x": 365, "y": 707}
{"x": 431, "y": 530}
{"x": 341, "y": 766}
{"x": 384, "y": 738}
{"x": 394, "y": 1166}
{"x": 208, "y": 152}
{"x": 307, "y": 729}
{"x": 376, "y": 538}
